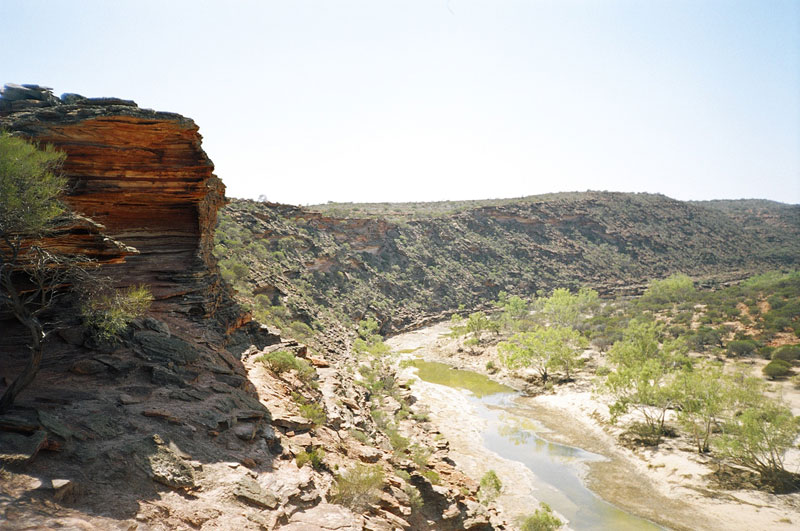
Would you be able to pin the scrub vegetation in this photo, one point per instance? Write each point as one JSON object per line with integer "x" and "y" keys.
{"x": 675, "y": 361}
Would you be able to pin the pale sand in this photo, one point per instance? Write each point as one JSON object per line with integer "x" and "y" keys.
{"x": 667, "y": 485}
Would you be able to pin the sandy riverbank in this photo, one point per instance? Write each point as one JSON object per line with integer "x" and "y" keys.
{"x": 669, "y": 485}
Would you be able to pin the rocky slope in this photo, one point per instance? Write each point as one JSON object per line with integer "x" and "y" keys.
{"x": 178, "y": 424}
{"x": 406, "y": 262}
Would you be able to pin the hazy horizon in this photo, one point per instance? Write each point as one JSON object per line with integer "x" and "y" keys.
{"x": 522, "y": 197}
{"x": 307, "y": 102}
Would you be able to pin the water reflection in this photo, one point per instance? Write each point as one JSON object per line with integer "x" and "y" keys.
{"x": 514, "y": 436}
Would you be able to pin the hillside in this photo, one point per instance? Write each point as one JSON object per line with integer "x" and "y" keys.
{"x": 192, "y": 416}
{"x": 405, "y": 262}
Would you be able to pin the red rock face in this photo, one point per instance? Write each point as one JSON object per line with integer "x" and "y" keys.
{"x": 145, "y": 176}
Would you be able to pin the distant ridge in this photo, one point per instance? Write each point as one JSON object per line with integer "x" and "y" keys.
{"x": 405, "y": 261}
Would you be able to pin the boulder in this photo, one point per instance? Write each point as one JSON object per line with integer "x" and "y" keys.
{"x": 165, "y": 466}
{"x": 63, "y": 489}
{"x": 251, "y": 492}
{"x": 16, "y": 448}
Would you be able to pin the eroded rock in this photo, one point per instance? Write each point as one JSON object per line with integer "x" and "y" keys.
{"x": 165, "y": 466}
{"x": 250, "y": 491}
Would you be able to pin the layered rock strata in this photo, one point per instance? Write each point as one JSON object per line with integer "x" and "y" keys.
{"x": 142, "y": 174}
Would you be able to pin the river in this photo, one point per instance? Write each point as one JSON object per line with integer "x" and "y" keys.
{"x": 490, "y": 428}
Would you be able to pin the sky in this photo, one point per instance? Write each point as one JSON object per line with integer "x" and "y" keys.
{"x": 306, "y": 102}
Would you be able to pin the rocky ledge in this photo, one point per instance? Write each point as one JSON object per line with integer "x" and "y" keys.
{"x": 143, "y": 175}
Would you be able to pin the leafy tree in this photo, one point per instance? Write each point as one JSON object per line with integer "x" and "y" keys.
{"x": 30, "y": 187}
{"x": 515, "y": 310}
{"x": 758, "y": 439}
{"x": 543, "y": 348}
{"x": 702, "y": 397}
{"x": 565, "y": 309}
{"x": 673, "y": 289}
{"x": 490, "y": 486}
{"x": 643, "y": 375}
{"x": 477, "y": 323}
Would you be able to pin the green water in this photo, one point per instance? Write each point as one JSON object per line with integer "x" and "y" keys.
{"x": 443, "y": 374}
{"x": 512, "y": 434}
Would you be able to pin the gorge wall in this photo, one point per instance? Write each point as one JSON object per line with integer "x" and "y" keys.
{"x": 174, "y": 424}
{"x": 404, "y": 263}
{"x": 143, "y": 175}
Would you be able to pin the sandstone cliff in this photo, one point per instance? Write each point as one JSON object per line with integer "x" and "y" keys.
{"x": 143, "y": 175}
{"x": 177, "y": 425}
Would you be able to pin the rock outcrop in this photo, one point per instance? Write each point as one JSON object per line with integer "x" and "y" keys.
{"x": 176, "y": 424}
{"x": 143, "y": 175}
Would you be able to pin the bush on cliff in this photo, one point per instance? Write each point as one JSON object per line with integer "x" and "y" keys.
{"x": 358, "y": 487}
{"x": 34, "y": 274}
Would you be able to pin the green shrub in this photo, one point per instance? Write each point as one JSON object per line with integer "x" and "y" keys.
{"x": 491, "y": 368}
{"x": 415, "y": 499}
{"x": 300, "y": 330}
{"x": 777, "y": 369}
{"x": 766, "y": 351}
{"x": 398, "y": 442}
{"x": 310, "y": 410}
{"x": 787, "y": 353}
{"x": 359, "y": 435}
{"x": 314, "y": 413}
{"x": 280, "y": 361}
{"x": 739, "y": 348}
{"x": 490, "y": 486}
{"x": 314, "y": 457}
{"x": 703, "y": 338}
{"x": 420, "y": 455}
{"x": 108, "y": 312}
{"x": 359, "y": 487}
{"x": 542, "y": 520}
{"x": 432, "y": 476}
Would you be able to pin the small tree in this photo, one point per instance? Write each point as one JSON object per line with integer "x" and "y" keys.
{"x": 542, "y": 348}
{"x": 758, "y": 439}
{"x": 565, "y": 309}
{"x": 490, "y": 486}
{"x": 702, "y": 397}
{"x": 643, "y": 375}
{"x": 477, "y": 323}
{"x": 30, "y": 187}
{"x": 673, "y": 289}
{"x": 515, "y": 311}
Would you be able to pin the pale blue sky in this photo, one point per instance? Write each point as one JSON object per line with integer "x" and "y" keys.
{"x": 311, "y": 101}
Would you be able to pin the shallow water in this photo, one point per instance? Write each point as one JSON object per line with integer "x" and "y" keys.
{"x": 512, "y": 434}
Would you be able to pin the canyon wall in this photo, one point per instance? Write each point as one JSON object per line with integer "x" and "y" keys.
{"x": 143, "y": 175}
{"x": 406, "y": 263}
